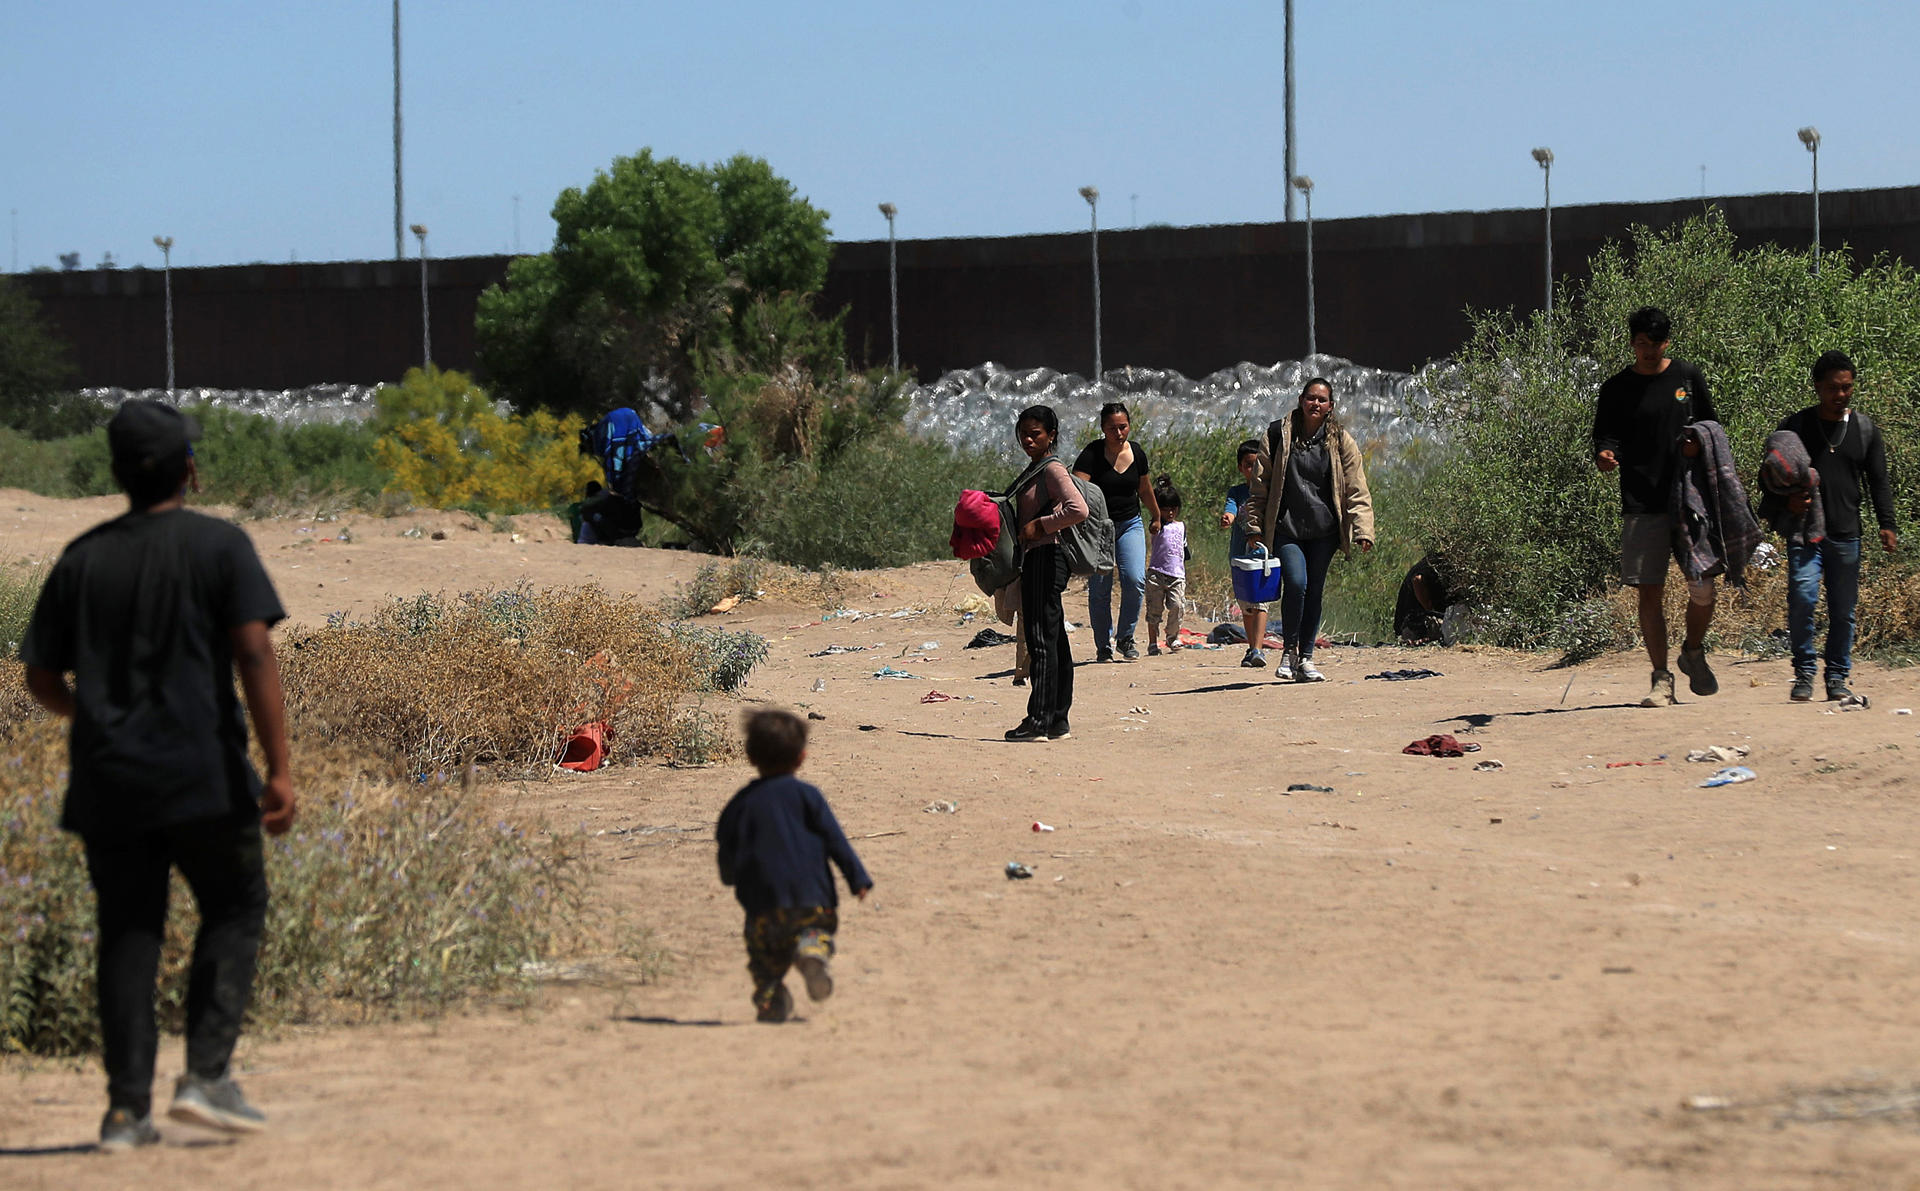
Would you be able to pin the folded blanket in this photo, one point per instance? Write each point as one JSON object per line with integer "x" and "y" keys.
{"x": 1787, "y": 470}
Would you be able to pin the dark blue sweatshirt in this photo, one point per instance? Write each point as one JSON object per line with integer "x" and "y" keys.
{"x": 775, "y": 839}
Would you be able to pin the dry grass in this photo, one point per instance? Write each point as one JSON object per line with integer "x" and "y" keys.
{"x": 497, "y": 678}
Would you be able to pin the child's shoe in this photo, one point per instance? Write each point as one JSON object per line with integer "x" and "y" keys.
{"x": 1254, "y": 659}
{"x": 1153, "y": 649}
{"x": 780, "y": 1008}
{"x": 810, "y": 955}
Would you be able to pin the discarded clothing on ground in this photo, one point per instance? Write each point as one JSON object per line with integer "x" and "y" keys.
{"x": 990, "y": 637}
{"x": 1406, "y": 675}
{"x": 1719, "y": 754}
{"x": 890, "y": 672}
{"x": 1440, "y": 744}
{"x": 831, "y": 650}
{"x": 1298, "y": 787}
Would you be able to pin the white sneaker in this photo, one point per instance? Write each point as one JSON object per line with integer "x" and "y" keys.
{"x": 1305, "y": 671}
{"x": 1284, "y": 671}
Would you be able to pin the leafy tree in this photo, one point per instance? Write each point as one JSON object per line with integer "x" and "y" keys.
{"x": 656, "y": 266}
{"x": 33, "y": 371}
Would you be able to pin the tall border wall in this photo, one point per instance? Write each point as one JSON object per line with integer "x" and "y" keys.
{"x": 1391, "y": 291}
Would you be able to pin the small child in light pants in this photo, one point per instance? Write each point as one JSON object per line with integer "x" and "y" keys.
{"x": 1166, "y": 570}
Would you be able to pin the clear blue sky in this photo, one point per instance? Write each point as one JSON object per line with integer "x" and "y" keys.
{"x": 261, "y": 131}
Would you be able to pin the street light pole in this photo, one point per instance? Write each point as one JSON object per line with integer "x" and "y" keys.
{"x": 399, "y": 245}
{"x": 1288, "y": 70}
{"x": 1810, "y": 137}
{"x": 893, "y": 284}
{"x": 1545, "y": 157}
{"x": 426, "y": 312}
{"x": 165, "y": 245}
{"x": 1092, "y": 195}
{"x": 1304, "y": 185}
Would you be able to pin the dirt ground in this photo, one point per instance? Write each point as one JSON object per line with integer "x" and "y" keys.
{"x": 1430, "y": 977}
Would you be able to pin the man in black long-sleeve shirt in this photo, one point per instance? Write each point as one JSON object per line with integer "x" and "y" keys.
{"x": 1844, "y": 447}
{"x": 776, "y": 838}
{"x": 1638, "y": 423}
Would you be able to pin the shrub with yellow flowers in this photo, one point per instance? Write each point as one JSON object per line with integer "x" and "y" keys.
{"x": 448, "y": 445}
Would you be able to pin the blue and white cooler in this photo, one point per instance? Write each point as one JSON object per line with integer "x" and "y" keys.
{"x": 1256, "y": 580}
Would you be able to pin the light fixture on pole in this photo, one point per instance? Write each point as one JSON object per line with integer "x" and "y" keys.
{"x": 1545, "y": 157}
{"x": 893, "y": 284}
{"x": 1304, "y": 185}
{"x": 426, "y": 313}
{"x": 1810, "y": 137}
{"x": 1092, "y": 195}
{"x": 165, "y": 245}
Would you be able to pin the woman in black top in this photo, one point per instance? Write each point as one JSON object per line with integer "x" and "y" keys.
{"x": 1119, "y": 469}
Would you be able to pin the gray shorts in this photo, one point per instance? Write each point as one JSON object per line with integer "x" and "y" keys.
{"x": 1646, "y": 547}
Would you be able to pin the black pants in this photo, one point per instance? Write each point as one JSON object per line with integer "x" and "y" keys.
{"x": 223, "y": 864}
{"x": 1043, "y": 577}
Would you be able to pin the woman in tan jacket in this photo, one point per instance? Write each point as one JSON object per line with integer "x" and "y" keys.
{"x": 1310, "y": 498}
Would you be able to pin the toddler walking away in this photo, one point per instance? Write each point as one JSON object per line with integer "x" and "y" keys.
{"x": 775, "y": 838}
{"x": 1253, "y": 616}
{"x": 1166, "y": 569}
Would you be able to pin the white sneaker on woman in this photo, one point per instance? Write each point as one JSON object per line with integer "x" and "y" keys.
{"x": 1305, "y": 671}
{"x": 1284, "y": 671}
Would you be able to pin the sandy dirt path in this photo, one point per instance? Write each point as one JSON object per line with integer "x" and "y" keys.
{"x": 1431, "y": 977}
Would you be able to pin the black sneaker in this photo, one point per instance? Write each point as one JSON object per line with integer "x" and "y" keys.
{"x": 121, "y": 1130}
{"x": 1060, "y": 731}
{"x": 1700, "y": 679}
{"x": 1103, "y": 655}
{"x": 1028, "y": 730}
{"x": 216, "y": 1104}
{"x": 780, "y": 1009}
{"x": 1802, "y": 691}
{"x": 1127, "y": 650}
{"x": 1837, "y": 689}
{"x": 1153, "y": 649}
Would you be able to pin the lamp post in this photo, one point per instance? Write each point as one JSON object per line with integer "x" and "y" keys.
{"x": 1545, "y": 157}
{"x": 1810, "y": 137}
{"x": 165, "y": 245}
{"x": 893, "y": 283}
{"x": 426, "y": 313}
{"x": 1092, "y": 195}
{"x": 1304, "y": 185}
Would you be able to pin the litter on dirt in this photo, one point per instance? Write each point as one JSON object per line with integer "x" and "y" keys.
{"x": 831, "y": 650}
{"x": 941, "y": 808}
{"x": 1488, "y": 766}
{"x": 1719, "y": 754}
{"x": 1406, "y": 675}
{"x": 1728, "y": 777}
{"x": 1440, "y": 744}
{"x": 1017, "y": 871}
{"x": 1308, "y": 787}
{"x": 1627, "y": 764}
{"x": 890, "y": 672}
{"x": 986, "y": 638}
{"x": 941, "y": 697}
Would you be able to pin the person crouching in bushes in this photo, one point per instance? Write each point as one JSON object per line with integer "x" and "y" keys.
{"x": 1311, "y": 499}
{"x": 1046, "y": 504}
{"x": 1166, "y": 569}
{"x": 776, "y": 837}
{"x": 1250, "y": 458}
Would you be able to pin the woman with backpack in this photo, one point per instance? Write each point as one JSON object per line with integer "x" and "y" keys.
{"x": 1045, "y": 503}
{"x": 1310, "y": 499}
{"x": 1119, "y": 469}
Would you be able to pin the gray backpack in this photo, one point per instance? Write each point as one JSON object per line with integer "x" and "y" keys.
{"x": 1088, "y": 545}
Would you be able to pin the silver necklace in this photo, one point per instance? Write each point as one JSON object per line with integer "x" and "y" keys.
{"x": 1833, "y": 444}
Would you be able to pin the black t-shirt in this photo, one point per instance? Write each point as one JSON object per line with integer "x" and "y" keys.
{"x": 139, "y": 609}
{"x": 1842, "y": 452}
{"x": 1121, "y": 488}
{"x": 1639, "y": 418}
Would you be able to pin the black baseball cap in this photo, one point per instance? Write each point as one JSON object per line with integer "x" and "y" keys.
{"x": 146, "y": 437}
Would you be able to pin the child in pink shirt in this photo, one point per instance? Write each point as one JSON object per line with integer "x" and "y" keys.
{"x": 1166, "y": 570}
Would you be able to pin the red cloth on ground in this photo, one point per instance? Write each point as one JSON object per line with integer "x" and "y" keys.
{"x": 1437, "y": 745}
{"x": 976, "y": 525}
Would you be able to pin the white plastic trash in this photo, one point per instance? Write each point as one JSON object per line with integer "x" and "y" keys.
{"x": 1730, "y": 776}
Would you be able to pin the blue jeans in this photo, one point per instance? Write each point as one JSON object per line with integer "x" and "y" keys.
{"x": 1303, "y": 580}
{"x": 1839, "y": 564}
{"x": 1130, "y": 551}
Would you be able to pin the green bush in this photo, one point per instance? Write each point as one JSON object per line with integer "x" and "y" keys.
{"x": 1528, "y": 525}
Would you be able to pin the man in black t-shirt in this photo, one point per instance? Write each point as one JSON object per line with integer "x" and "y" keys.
{"x": 1639, "y": 422}
{"x": 152, "y": 613}
{"x": 1845, "y": 449}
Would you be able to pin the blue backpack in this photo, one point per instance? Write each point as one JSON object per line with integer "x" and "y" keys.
{"x": 617, "y": 441}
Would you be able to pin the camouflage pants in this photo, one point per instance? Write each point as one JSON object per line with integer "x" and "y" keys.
{"x": 775, "y": 937}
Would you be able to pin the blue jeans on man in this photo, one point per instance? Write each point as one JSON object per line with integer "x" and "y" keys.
{"x": 1837, "y": 563}
{"x": 1130, "y": 553}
